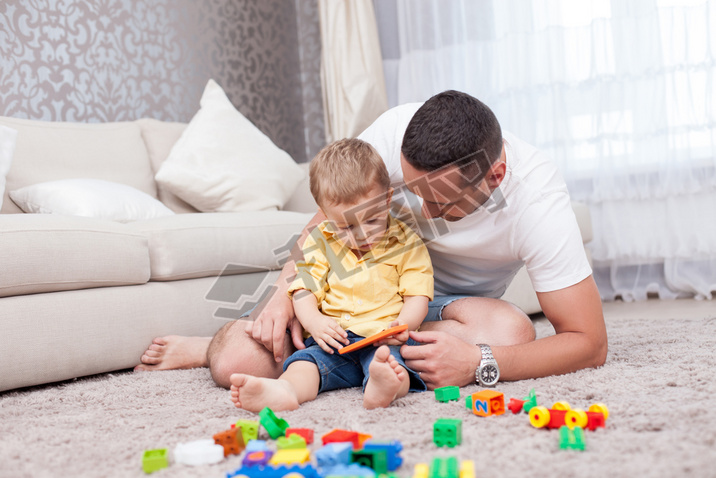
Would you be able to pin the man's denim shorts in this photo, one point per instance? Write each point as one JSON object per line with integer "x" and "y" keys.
{"x": 349, "y": 370}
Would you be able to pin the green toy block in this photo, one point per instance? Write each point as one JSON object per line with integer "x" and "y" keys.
{"x": 444, "y": 468}
{"x": 249, "y": 429}
{"x": 530, "y": 401}
{"x": 154, "y": 460}
{"x": 446, "y": 394}
{"x": 293, "y": 442}
{"x": 275, "y": 426}
{"x": 447, "y": 432}
{"x": 377, "y": 460}
{"x": 571, "y": 439}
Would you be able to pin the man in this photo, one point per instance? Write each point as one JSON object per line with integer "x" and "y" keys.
{"x": 485, "y": 204}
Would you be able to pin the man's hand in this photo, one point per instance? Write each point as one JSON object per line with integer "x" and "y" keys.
{"x": 326, "y": 332}
{"x": 269, "y": 327}
{"x": 442, "y": 359}
{"x": 397, "y": 339}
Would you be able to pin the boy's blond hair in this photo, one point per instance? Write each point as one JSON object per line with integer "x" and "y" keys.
{"x": 345, "y": 171}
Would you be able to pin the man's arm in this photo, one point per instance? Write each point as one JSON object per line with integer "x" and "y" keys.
{"x": 580, "y": 342}
{"x": 275, "y": 316}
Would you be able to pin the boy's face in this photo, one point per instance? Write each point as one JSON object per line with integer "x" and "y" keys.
{"x": 360, "y": 225}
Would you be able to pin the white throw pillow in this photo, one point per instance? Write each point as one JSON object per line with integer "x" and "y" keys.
{"x": 89, "y": 198}
{"x": 7, "y": 148}
{"x": 223, "y": 163}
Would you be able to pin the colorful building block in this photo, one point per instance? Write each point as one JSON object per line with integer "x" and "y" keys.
{"x": 447, "y": 432}
{"x": 571, "y": 439}
{"x": 287, "y": 457}
{"x": 337, "y": 436}
{"x": 306, "y": 433}
{"x": 516, "y": 405}
{"x": 377, "y": 460}
{"x": 291, "y": 442}
{"x": 392, "y": 448}
{"x": 257, "y": 458}
{"x": 275, "y": 426}
{"x": 444, "y": 468}
{"x": 249, "y": 429}
{"x": 486, "y": 402}
{"x": 541, "y": 417}
{"x": 199, "y": 452}
{"x": 256, "y": 445}
{"x": 231, "y": 440}
{"x": 303, "y": 471}
{"x": 530, "y": 401}
{"x": 153, "y": 460}
{"x": 467, "y": 469}
{"x": 334, "y": 454}
{"x": 421, "y": 470}
{"x": 353, "y": 470}
{"x": 446, "y": 394}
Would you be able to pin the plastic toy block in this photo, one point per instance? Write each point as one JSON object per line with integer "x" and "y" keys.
{"x": 571, "y": 439}
{"x": 306, "y": 433}
{"x": 154, "y": 460}
{"x": 541, "y": 417}
{"x": 291, "y": 442}
{"x": 444, "y": 468}
{"x": 257, "y": 458}
{"x": 290, "y": 456}
{"x": 374, "y": 338}
{"x": 516, "y": 405}
{"x": 231, "y": 440}
{"x": 249, "y": 429}
{"x": 256, "y": 445}
{"x": 487, "y": 402}
{"x": 352, "y": 470}
{"x": 338, "y": 436}
{"x": 305, "y": 471}
{"x": 377, "y": 460}
{"x": 421, "y": 470}
{"x": 334, "y": 454}
{"x": 467, "y": 469}
{"x": 530, "y": 401}
{"x": 392, "y": 448}
{"x": 446, "y": 394}
{"x": 447, "y": 432}
{"x": 276, "y": 427}
{"x": 199, "y": 452}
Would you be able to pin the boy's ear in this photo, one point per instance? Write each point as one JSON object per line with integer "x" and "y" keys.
{"x": 390, "y": 195}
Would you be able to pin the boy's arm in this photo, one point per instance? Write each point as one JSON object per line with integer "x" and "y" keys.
{"x": 324, "y": 330}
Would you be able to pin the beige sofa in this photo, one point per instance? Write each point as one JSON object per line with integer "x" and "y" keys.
{"x": 80, "y": 296}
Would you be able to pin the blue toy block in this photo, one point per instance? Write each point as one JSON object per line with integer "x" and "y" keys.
{"x": 307, "y": 471}
{"x": 334, "y": 454}
{"x": 392, "y": 448}
{"x": 257, "y": 445}
{"x": 352, "y": 470}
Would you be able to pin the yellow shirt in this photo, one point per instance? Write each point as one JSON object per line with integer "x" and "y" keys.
{"x": 364, "y": 294}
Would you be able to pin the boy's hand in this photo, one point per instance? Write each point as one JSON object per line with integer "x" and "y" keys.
{"x": 397, "y": 339}
{"x": 327, "y": 333}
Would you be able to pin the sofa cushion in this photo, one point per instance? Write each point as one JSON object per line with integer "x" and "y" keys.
{"x": 8, "y": 137}
{"x": 160, "y": 137}
{"x": 48, "y": 253}
{"x": 47, "y": 151}
{"x": 89, "y": 198}
{"x": 223, "y": 163}
{"x": 200, "y": 245}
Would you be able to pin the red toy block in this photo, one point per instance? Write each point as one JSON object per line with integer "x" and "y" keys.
{"x": 305, "y": 433}
{"x": 340, "y": 436}
{"x": 231, "y": 440}
{"x": 515, "y": 405}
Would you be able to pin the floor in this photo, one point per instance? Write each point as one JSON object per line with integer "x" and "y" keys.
{"x": 661, "y": 309}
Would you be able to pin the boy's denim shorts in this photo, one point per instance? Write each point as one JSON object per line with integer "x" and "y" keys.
{"x": 349, "y": 370}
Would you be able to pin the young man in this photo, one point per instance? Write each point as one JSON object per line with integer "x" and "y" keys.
{"x": 485, "y": 203}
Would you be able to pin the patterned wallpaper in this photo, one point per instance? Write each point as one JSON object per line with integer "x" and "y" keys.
{"x": 116, "y": 60}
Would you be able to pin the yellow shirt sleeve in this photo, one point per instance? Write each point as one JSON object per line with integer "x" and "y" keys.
{"x": 312, "y": 271}
{"x": 416, "y": 269}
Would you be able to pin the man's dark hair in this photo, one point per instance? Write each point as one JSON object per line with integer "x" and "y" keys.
{"x": 453, "y": 127}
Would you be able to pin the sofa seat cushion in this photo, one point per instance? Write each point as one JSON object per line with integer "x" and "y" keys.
{"x": 188, "y": 246}
{"x": 49, "y": 253}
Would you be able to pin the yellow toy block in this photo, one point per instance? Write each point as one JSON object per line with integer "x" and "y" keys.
{"x": 467, "y": 469}
{"x": 249, "y": 429}
{"x": 287, "y": 457}
{"x": 422, "y": 470}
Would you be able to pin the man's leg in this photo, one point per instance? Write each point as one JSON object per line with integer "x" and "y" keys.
{"x": 481, "y": 320}
{"x": 233, "y": 351}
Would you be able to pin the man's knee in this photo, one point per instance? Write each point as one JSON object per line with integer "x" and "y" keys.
{"x": 495, "y": 321}
{"x": 233, "y": 351}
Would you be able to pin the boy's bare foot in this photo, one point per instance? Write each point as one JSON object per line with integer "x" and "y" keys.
{"x": 388, "y": 380}
{"x": 175, "y": 352}
{"x": 254, "y": 393}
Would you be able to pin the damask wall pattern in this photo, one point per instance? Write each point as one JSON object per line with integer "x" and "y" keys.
{"x": 119, "y": 60}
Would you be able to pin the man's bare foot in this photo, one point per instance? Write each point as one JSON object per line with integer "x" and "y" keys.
{"x": 388, "y": 380}
{"x": 175, "y": 352}
{"x": 254, "y": 393}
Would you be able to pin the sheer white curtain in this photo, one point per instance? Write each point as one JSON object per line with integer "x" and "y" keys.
{"x": 622, "y": 94}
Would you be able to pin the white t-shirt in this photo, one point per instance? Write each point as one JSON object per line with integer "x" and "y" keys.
{"x": 480, "y": 254}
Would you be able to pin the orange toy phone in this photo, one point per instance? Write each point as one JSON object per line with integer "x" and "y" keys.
{"x": 374, "y": 338}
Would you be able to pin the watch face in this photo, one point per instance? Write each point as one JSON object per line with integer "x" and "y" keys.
{"x": 489, "y": 374}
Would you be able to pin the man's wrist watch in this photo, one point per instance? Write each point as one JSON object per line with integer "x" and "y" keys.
{"x": 487, "y": 373}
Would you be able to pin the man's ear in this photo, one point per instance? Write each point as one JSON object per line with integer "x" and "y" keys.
{"x": 496, "y": 174}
